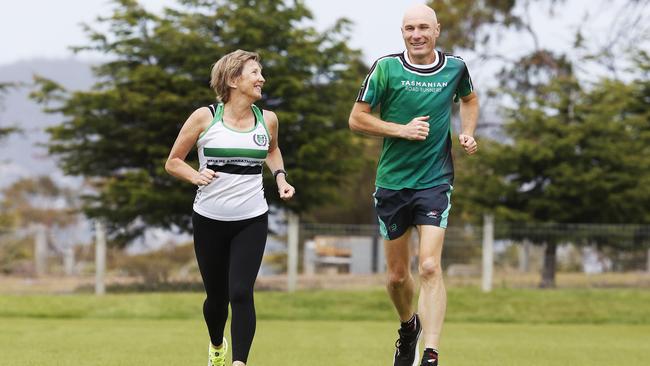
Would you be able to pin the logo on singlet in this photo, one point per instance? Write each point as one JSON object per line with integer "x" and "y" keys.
{"x": 260, "y": 140}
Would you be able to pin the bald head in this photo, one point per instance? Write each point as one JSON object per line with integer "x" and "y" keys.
{"x": 420, "y": 30}
{"x": 420, "y": 12}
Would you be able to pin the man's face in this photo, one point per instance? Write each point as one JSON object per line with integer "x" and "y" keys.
{"x": 420, "y": 34}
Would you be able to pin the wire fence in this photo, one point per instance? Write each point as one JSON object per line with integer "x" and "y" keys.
{"x": 591, "y": 248}
{"x": 334, "y": 249}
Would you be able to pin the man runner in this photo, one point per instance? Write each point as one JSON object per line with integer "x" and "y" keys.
{"x": 415, "y": 91}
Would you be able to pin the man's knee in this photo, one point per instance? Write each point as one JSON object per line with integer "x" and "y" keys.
{"x": 398, "y": 277}
{"x": 430, "y": 269}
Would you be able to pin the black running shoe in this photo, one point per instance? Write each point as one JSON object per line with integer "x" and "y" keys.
{"x": 406, "y": 347}
{"x": 429, "y": 358}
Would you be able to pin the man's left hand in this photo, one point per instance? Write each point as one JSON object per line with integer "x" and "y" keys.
{"x": 468, "y": 143}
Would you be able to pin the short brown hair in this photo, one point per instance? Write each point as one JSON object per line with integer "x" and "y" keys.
{"x": 227, "y": 69}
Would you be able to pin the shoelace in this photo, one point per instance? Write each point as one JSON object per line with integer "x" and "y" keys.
{"x": 402, "y": 348}
{"x": 215, "y": 358}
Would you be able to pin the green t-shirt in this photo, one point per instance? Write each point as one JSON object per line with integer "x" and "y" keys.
{"x": 405, "y": 91}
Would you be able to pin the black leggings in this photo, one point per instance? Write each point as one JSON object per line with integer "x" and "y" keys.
{"x": 229, "y": 254}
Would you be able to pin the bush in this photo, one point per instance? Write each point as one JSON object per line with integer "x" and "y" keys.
{"x": 156, "y": 267}
{"x": 16, "y": 255}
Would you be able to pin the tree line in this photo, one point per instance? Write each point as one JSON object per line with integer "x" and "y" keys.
{"x": 565, "y": 150}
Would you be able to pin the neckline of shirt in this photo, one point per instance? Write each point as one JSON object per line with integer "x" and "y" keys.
{"x": 436, "y": 61}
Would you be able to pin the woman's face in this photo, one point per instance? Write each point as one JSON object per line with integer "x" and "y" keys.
{"x": 251, "y": 81}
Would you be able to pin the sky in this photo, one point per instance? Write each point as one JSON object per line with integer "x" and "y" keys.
{"x": 44, "y": 28}
{"x": 32, "y": 29}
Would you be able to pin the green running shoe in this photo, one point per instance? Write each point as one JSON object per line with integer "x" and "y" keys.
{"x": 217, "y": 356}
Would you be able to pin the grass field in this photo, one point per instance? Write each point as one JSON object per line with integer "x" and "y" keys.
{"x": 506, "y": 327}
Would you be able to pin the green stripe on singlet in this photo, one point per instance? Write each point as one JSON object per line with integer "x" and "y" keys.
{"x": 216, "y": 152}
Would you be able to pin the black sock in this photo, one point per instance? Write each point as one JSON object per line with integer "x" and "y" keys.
{"x": 409, "y": 324}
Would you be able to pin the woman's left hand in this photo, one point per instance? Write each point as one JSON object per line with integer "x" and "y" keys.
{"x": 286, "y": 190}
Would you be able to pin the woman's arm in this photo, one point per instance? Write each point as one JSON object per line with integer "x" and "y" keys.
{"x": 274, "y": 158}
{"x": 196, "y": 123}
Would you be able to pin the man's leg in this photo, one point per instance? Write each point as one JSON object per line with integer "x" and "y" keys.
{"x": 399, "y": 281}
{"x": 432, "y": 302}
{"x": 395, "y": 222}
{"x": 400, "y": 287}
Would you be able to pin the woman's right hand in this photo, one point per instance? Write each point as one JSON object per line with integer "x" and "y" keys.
{"x": 204, "y": 177}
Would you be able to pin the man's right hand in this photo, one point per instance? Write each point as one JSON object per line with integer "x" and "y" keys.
{"x": 417, "y": 129}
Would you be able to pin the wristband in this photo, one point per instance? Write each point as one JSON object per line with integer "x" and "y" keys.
{"x": 279, "y": 171}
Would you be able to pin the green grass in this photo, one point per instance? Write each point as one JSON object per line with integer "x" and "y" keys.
{"x": 143, "y": 342}
{"x": 594, "y": 306}
{"x": 330, "y": 328}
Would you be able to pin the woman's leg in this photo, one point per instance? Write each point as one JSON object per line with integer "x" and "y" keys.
{"x": 246, "y": 253}
{"x": 212, "y": 248}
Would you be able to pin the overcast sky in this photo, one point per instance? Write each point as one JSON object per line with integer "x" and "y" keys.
{"x": 45, "y": 28}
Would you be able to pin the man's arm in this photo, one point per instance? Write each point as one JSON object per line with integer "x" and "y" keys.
{"x": 469, "y": 109}
{"x": 361, "y": 120}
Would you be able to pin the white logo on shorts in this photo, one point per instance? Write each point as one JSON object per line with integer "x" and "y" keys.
{"x": 433, "y": 214}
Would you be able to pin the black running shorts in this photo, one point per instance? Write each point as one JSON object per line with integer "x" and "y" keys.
{"x": 399, "y": 210}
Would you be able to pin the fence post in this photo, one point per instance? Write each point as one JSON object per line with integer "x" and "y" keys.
{"x": 292, "y": 260}
{"x": 40, "y": 250}
{"x": 524, "y": 256}
{"x": 100, "y": 258}
{"x": 488, "y": 252}
{"x": 647, "y": 268}
{"x": 68, "y": 260}
{"x": 309, "y": 258}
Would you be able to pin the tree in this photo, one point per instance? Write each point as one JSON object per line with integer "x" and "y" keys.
{"x": 525, "y": 170}
{"x": 469, "y": 24}
{"x": 36, "y": 201}
{"x": 356, "y": 203}
{"x": 4, "y": 131}
{"x": 574, "y": 155}
{"x": 119, "y": 134}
